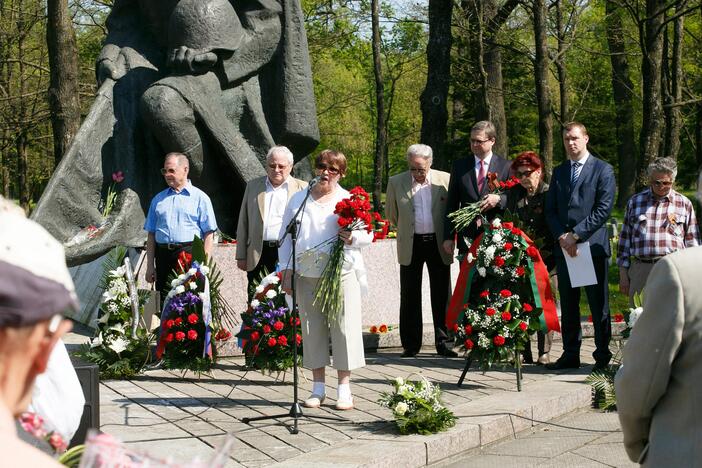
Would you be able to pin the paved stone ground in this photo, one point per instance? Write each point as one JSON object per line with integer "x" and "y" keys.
{"x": 586, "y": 438}
{"x": 174, "y": 415}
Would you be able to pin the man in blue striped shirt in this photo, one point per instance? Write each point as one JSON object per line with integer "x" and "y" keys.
{"x": 176, "y": 215}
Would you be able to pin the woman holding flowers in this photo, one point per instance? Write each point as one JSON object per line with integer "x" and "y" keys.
{"x": 318, "y": 224}
{"x": 526, "y": 201}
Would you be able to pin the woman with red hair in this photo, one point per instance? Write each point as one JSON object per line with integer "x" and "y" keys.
{"x": 526, "y": 200}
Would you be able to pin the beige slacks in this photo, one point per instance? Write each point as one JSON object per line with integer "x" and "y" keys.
{"x": 346, "y": 333}
{"x": 638, "y": 274}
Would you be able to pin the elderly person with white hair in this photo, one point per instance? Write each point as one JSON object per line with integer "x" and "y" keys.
{"x": 261, "y": 215}
{"x": 416, "y": 203}
{"x": 658, "y": 396}
{"x": 658, "y": 221}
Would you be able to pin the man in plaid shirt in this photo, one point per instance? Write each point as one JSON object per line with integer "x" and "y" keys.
{"x": 658, "y": 221}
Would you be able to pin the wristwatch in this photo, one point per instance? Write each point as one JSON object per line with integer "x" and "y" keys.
{"x": 575, "y": 236}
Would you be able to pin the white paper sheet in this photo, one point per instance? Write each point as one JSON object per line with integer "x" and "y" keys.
{"x": 580, "y": 268}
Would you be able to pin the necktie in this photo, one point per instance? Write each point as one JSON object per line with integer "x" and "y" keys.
{"x": 575, "y": 173}
{"x": 481, "y": 177}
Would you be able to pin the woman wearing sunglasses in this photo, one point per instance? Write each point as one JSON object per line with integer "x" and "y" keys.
{"x": 526, "y": 201}
{"x": 317, "y": 224}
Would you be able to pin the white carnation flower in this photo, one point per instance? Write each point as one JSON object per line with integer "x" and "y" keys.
{"x": 174, "y": 283}
{"x": 273, "y": 279}
{"x": 192, "y": 271}
{"x": 482, "y": 272}
{"x": 401, "y": 408}
{"x": 181, "y": 278}
{"x": 180, "y": 289}
{"x": 97, "y": 341}
{"x": 634, "y": 316}
{"x": 496, "y": 223}
{"x": 497, "y": 238}
{"x": 259, "y": 289}
{"x": 490, "y": 252}
{"x": 118, "y": 345}
{"x": 255, "y": 303}
{"x": 270, "y": 294}
{"x": 204, "y": 269}
{"x": 193, "y": 285}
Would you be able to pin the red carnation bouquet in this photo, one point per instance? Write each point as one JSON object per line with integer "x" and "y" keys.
{"x": 462, "y": 217}
{"x": 354, "y": 214}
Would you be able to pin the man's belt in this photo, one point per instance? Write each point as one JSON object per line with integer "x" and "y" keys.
{"x": 425, "y": 237}
{"x": 270, "y": 244}
{"x": 173, "y": 245}
{"x": 647, "y": 259}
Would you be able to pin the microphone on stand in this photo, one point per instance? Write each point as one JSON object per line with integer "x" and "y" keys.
{"x": 313, "y": 182}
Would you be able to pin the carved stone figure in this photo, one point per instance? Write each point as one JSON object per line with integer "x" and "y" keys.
{"x": 219, "y": 80}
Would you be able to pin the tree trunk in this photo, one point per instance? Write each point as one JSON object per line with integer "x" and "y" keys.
{"x": 622, "y": 89}
{"x": 381, "y": 129}
{"x": 672, "y": 111}
{"x": 651, "y": 70}
{"x": 543, "y": 99}
{"x": 698, "y": 136}
{"x": 495, "y": 96}
{"x": 433, "y": 99}
{"x": 561, "y": 66}
{"x": 63, "y": 88}
{"x": 22, "y": 180}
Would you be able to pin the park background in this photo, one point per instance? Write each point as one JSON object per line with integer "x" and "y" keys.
{"x": 388, "y": 74}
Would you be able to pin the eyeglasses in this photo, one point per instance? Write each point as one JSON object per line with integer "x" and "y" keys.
{"x": 418, "y": 171}
{"x": 165, "y": 171}
{"x": 474, "y": 141}
{"x": 521, "y": 174}
{"x": 321, "y": 167}
{"x": 277, "y": 166}
{"x": 662, "y": 183}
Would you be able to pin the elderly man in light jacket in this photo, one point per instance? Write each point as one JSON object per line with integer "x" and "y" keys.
{"x": 658, "y": 387}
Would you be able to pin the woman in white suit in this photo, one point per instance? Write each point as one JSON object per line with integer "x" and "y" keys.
{"x": 318, "y": 223}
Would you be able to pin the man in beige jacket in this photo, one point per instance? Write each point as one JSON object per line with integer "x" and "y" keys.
{"x": 261, "y": 215}
{"x": 658, "y": 386}
{"x": 416, "y": 203}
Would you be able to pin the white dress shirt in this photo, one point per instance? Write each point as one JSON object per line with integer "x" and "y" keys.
{"x": 487, "y": 160}
{"x": 274, "y": 207}
{"x": 421, "y": 201}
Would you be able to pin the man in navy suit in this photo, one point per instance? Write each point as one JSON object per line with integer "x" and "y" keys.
{"x": 468, "y": 184}
{"x": 578, "y": 204}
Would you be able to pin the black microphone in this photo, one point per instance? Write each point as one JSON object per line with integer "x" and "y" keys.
{"x": 313, "y": 182}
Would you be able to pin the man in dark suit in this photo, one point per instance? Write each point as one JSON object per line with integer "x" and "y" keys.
{"x": 468, "y": 184}
{"x": 578, "y": 204}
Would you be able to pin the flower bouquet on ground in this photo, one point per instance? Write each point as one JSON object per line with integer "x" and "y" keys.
{"x": 267, "y": 329}
{"x": 193, "y": 314}
{"x": 114, "y": 349}
{"x": 354, "y": 214}
{"x": 462, "y": 217}
{"x": 417, "y": 407}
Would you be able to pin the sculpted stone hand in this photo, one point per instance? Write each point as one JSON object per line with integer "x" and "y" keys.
{"x": 113, "y": 70}
{"x": 187, "y": 60}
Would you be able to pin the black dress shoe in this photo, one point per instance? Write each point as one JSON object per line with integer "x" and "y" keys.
{"x": 444, "y": 351}
{"x": 600, "y": 366}
{"x": 563, "y": 364}
{"x": 408, "y": 353}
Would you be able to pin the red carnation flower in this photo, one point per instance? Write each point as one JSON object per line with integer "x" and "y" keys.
{"x": 468, "y": 344}
{"x": 508, "y": 225}
{"x": 192, "y": 335}
{"x": 455, "y": 327}
{"x": 505, "y": 293}
{"x": 527, "y": 307}
{"x": 499, "y": 261}
{"x": 519, "y": 271}
{"x": 516, "y": 231}
{"x": 180, "y": 336}
{"x": 169, "y": 324}
{"x": 283, "y": 340}
{"x": 485, "y": 293}
{"x": 618, "y": 318}
{"x": 255, "y": 336}
{"x": 508, "y": 246}
{"x": 468, "y": 329}
{"x": 532, "y": 251}
{"x": 272, "y": 342}
{"x": 178, "y": 321}
{"x": 298, "y": 339}
{"x": 383, "y": 328}
{"x": 506, "y": 316}
{"x": 266, "y": 329}
{"x": 499, "y": 340}
{"x": 278, "y": 325}
{"x": 374, "y": 329}
{"x": 169, "y": 337}
{"x": 192, "y": 319}
{"x": 490, "y": 311}
{"x": 523, "y": 326}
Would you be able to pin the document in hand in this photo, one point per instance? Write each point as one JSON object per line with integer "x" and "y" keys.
{"x": 580, "y": 268}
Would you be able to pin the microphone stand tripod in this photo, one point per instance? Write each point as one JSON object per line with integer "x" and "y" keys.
{"x": 296, "y": 409}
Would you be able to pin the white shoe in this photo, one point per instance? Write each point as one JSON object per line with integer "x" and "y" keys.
{"x": 343, "y": 404}
{"x": 314, "y": 401}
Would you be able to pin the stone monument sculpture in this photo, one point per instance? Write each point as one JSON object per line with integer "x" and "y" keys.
{"x": 219, "y": 80}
